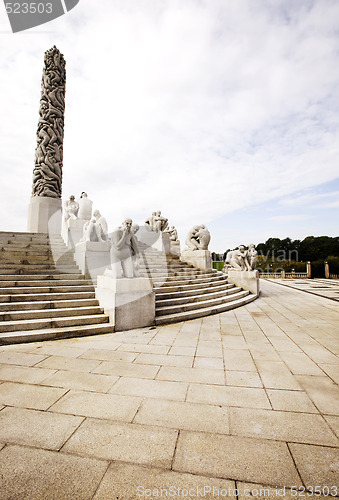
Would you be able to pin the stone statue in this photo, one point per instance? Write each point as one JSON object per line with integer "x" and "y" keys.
{"x": 124, "y": 250}
{"x": 156, "y": 222}
{"x": 85, "y": 207}
{"x": 160, "y": 222}
{"x": 150, "y": 222}
{"x": 71, "y": 208}
{"x": 198, "y": 238}
{"x": 173, "y": 233}
{"x": 252, "y": 257}
{"x": 96, "y": 229}
{"x": 135, "y": 228}
{"x": 237, "y": 259}
{"x": 47, "y": 173}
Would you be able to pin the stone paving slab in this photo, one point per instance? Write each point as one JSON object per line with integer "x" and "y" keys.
{"x": 36, "y": 428}
{"x": 80, "y": 381}
{"x": 124, "y": 442}
{"x": 328, "y": 288}
{"x": 104, "y": 406}
{"x": 317, "y": 465}
{"x": 256, "y": 407}
{"x": 184, "y": 415}
{"x": 235, "y": 457}
{"x": 133, "y": 479}
{"x": 37, "y": 474}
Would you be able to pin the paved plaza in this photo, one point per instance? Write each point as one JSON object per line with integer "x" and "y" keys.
{"x": 240, "y": 402}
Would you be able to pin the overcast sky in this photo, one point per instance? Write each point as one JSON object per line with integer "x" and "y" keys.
{"x": 217, "y": 112}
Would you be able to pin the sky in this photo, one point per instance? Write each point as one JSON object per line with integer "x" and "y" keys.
{"x": 217, "y": 112}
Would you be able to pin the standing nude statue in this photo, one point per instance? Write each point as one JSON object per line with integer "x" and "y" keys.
{"x": 124, "y": 250}
{"x": 252, "y": 257}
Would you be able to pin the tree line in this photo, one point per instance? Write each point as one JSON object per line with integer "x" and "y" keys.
{"x": 311, "y": 248}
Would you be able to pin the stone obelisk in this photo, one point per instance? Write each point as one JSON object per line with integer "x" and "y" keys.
{"x": 44, "y": 214}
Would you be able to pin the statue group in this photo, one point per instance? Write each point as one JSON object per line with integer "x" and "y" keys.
{"x": 198, "y": 238}
{"x": 95, "y": 227}
{"x": 156, "y": 222}
{"x": 124, "y": 246}
{"x": 242, "y": 259}
{"x": 124, "y": 249}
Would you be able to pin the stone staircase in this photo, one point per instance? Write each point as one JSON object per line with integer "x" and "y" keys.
{"x": 183, "y": 292}
{"x": 43, "y": 295}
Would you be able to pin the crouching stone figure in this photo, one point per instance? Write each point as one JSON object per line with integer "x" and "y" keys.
{"x": 198, "y": 238}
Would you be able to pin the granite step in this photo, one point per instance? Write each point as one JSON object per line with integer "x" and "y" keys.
{"x": 202, "y": 278}
{"x": 196, "y": 291}
{"x": 46, "y": 304}
{"x": 195, "y": 296}
{"x": 60, "y": 322}
{"x": 203, "y": 311}
{"x": 41, "y": 277}
{"x": 30, "y": 297}
{"x": 52, "y": 283}
{"x": 48, "y": 313}
{"x": 45, "y": 289}
{"x": 181, "y": 287}
{"x": 205, "y": 303}
{"x": 21, "y": 336}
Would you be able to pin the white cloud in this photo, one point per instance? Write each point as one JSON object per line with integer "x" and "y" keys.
{"x": 198, "y": 108}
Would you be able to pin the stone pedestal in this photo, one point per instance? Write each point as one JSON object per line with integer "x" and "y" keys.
{"x": 72, "y": 231}
{"x": 130, "y": 303}
{"x": 248, "y": 280}
{"x": 44, "y": 215}
{"x": 175, "y": 248}
{"x": 309, "y": 269}
{"x": 93, "y": 257}
{"x": 198, "y": 258}
{"x": 157, "y": 240}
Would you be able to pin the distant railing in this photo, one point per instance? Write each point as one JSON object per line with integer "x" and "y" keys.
{"x": 283, "y": 275}
{"x": 334, "y": 276}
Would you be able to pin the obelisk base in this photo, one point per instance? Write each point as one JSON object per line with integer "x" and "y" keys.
{"x": 44, "y": 215}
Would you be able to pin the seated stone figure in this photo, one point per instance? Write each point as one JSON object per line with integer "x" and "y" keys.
{"x": 252, "y": 257}
{"x": 85, "y": 207}
{"x": 96, "y": 229}
{"x": 198, "y": 238}
{"x": 173, "y": 233}
{"x": 160, "y": 222}
{"x": 124, "y": 251}
{"x": 71, "y": 208}
{"x": 150, "y": 222}
{"x": 237, "y": 259}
